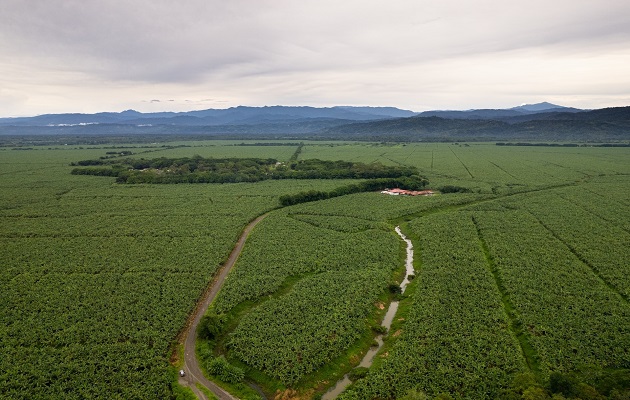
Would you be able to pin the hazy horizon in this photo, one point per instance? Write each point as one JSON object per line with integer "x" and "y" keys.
{"x": 274, "y": 105}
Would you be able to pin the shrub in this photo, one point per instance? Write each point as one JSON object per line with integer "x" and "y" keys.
{"x": 225, "y": 371}
{"x": 394, "y": 288}
{"x": 357, "y": 373}
{"x": 379, "y": 329}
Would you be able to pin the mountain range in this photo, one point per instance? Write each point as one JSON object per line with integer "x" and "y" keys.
{"x": 542, "y": 121}
{"x": 607, "y": 124}
{"x": 240, "y": 115}
{"x": 522, "y": 113}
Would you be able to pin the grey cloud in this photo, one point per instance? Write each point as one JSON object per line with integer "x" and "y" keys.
{"x": 294, "y": 49}
{"x": 143, "y": 40}
{"x": 188, "y": 41}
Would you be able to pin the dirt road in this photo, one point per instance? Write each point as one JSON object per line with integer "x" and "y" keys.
{"x": 191, "y": 367}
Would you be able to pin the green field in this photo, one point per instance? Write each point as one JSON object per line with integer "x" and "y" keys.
{"x": 526, "y": 275}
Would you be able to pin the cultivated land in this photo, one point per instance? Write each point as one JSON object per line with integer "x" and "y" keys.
{"x": 523, "y": 277}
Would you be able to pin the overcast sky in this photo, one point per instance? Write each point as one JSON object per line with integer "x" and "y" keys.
{"x": 158, "y": 55}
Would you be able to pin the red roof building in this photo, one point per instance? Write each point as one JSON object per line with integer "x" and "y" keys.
{"x": 404, "y": 192}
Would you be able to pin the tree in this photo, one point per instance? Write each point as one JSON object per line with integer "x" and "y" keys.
{"x": 211, "y": 325}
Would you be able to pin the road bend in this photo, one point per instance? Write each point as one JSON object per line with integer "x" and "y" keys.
{"x": 194, "y": 376}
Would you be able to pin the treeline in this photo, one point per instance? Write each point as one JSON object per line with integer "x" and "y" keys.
{"x": 231, "y": 170}
{"x": 297, "y": 152}
{"x": 192, "y": 163}
{"x": 408, "y": 182}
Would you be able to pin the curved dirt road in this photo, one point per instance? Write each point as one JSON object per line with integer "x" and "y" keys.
{"x": 194, "y": 375}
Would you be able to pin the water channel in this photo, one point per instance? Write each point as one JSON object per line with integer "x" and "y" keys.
{"x": 367, "y": 360}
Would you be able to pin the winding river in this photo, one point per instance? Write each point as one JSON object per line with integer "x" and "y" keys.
{"x": 367, "y": 360}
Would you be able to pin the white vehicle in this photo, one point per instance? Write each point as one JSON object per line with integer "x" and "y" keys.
{"x": 182, "y": 372}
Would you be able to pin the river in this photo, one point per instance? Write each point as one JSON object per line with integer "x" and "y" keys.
{"x": 367, "y": 360}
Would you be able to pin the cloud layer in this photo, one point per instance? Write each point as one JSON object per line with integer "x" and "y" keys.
{"x": 83, "y": 56}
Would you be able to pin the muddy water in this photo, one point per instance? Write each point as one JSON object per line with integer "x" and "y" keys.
{"x": 409, "y": 260}
{"x": 367, "y": 360}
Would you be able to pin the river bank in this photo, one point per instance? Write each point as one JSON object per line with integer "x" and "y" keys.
{"x": 368, "y": 359}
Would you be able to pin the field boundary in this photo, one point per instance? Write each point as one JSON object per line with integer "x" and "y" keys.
{"x": 461, "y": 162}
{"x": 516, "y": 325}
{"x": 591, "y": 212}
{"x": 483, "y": 198}
{"x": 583, "y": 260}
{"x": 502, "y": 169}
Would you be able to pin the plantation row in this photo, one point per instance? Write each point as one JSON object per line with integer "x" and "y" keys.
{"x": 603, "y": 245}
{"x": 339, "y": 223}
{"x": 96, "y": 255}
{"x": 110, "y": 371}
{"x": 573, "y": 318}
{"x": 607, "y": 200}
{"x": 456, "y": 338}
{"x": 278, "y": 340}
{"x": 378, "y": 207}
{"x": 120, "y": 226}
{"x": 262, "y": 268}
{"x": 92, "y": 309}
{"x": 552, "y": 292}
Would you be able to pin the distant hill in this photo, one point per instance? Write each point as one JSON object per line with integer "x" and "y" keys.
{"x": 524, "y": 112}
{"x": 234, "y": 115}
{"x": 596, "y": 125}
{"x": 473, "y": 114}
{"x": 543, "y": 107}
{"x": 540, "y": 122}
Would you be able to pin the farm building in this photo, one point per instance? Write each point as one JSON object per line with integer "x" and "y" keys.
{"x": 403, "y": 192}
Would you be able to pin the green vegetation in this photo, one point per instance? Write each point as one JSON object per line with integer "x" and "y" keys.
{"x": 455, "y": 289}
{"x": 231, "y": 170}
{"x": 482, "y": 338}
{"x": 98, "y": 279}
{"x": 556, "y": 256}
{"x": 521, "y": 285}
{"x": 277, "y": 339}
{"x": 223, "y": 370}
{"x": 413, "y": 182}
{"x": 336, "y": 281}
